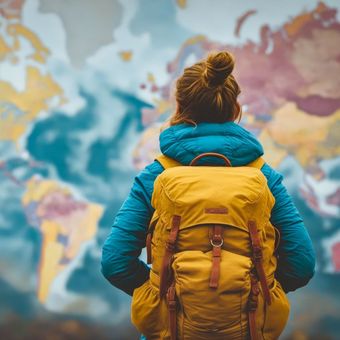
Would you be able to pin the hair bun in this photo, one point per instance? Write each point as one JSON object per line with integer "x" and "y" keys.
{"x": 219, "y": 67}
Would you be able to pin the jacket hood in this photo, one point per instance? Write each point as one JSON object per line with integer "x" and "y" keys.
{"x": 184, "y": 142}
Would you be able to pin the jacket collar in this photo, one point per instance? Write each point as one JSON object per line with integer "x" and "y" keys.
{"x": 184, "y": 142}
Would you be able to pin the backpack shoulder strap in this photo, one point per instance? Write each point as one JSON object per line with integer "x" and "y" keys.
{"x": 167, "y": 162}
{"x": 257, "y": 163}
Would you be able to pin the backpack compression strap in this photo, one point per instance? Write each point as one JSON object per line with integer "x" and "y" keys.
{"x": 168, "y": 162}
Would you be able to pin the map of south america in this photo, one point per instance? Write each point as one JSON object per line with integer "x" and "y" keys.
{"x": 66, "y": 223}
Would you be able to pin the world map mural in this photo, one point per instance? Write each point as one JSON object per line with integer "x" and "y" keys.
{"x": 85, "y": 89}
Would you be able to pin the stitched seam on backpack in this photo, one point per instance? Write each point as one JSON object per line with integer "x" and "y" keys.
{"x": 261, "y": 193}
{"x": 173, "y": 202}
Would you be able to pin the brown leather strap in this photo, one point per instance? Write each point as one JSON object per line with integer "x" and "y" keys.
{"x": 252, "y": 307}
{"x": 210, "y": 154}
{"x": 170, "y": 247}
{"x": 252, "y": 325}
{"x": 172, "y": 306}
{"x": 257, "y": 259}
{"x": 216, "y": 240}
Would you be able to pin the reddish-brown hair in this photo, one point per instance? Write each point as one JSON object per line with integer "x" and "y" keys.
{"x": 207, "y": 92}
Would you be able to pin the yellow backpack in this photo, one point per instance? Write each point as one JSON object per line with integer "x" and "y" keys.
{"x": 212, "y": 247}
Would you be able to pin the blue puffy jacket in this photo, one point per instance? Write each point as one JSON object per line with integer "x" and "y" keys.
{"x": 120, "y": 258}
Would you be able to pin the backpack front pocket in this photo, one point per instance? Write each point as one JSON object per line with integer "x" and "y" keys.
{"x": 276, "y": 314}
{"x": 148, "y": 311}
{"x": 204, "y": 309}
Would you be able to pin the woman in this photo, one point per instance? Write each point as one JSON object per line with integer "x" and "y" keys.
{"x": 207, "y": 108}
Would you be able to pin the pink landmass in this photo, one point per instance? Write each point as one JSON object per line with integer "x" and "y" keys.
{"x": 317, "y": 105}
{"x": 11, "y": 8}
{"x": 58, "y": 204}
{"x": 335, "y": 198}
{"x": 241, "y": 20}
{"x": 336, "y": 256}
{"x": 298, "y": 62}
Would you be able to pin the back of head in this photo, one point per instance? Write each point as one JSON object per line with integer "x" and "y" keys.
{"x": 207, "y": 91}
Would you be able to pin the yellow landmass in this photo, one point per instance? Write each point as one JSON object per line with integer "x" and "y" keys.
{"x": 147, "y": 148}
{"x": 292, "y": 28}
{"x": 126, "y": 55}
{"x": 182, "y": 3}
{"x": 12, "y": 125}
{"x": 51, "y": 252}
{"x": 331, "y": 145}
{"x": 250, "y": 121}
{"x": 194, "y": 40}
{"x": 151, "y": 78}
{"x": 40, "y": 51}
{"x": 76, "y": 226}
{"x": 37, "y": 189}
{"x": 273, "y": 153}
{"x": 296, "y": 24}
{"x": 162, "y": 105}
{"x": 4, "y": 49}
{"x": 39, "y": 89}
{"x": 80, "y": 226}
{"x": 309, "y": 138}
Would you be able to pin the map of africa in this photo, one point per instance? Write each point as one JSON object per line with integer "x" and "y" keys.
{"x": 82, "y": 103}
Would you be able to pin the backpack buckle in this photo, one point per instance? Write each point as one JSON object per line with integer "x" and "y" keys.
{"x": 218, "y": 245}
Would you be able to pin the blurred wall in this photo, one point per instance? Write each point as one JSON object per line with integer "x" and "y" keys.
{"x": 85, "y": 87}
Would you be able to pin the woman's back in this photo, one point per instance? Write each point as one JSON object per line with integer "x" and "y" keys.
{"x": 204, "y": 122}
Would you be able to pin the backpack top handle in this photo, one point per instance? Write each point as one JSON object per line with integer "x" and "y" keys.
{"x": 210, "y": 154}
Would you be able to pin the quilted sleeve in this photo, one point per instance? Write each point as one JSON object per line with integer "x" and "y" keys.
{"x": 296, "y": 257}
{"x": 120, "y": 254}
